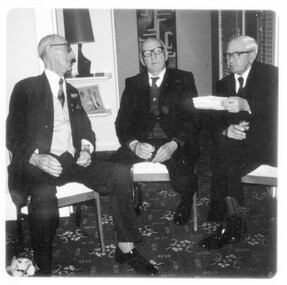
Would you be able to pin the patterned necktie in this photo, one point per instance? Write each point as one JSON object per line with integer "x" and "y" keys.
{"x": 61, "y": 96}
{"x": 154, "y": 80}
{"x": 154, "y": 92}
{"x": 241, "y": 81}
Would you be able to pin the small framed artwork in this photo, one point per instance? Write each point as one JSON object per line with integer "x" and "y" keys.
{"x": 91, "y": 99}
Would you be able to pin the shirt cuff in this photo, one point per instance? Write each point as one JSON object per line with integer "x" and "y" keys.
{"x": 132, "y": 143}
{"x": 87, "y": 145}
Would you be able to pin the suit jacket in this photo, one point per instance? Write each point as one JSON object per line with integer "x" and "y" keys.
{"x": 30, "y": 126}
{"x": 261, "y": 92}
{"x": 177, "y": 117}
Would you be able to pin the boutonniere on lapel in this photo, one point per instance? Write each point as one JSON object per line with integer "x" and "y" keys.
{"x": 74, "y": 95}
{"x": 74, "y": 102}
{"x": 165, "y": 110}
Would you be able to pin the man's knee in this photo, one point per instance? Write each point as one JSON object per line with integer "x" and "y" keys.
{"x": 121, "y": 173}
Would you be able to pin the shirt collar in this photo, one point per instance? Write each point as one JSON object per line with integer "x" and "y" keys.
{"x": 244, "y": 75}
{"x": 53, "y": 79}
{"x": 159, "y": 81}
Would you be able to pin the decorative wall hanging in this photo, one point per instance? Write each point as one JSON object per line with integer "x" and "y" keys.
{"x": 160, "y": 24}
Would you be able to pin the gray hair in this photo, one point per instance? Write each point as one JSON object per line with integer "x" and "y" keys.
{"x": 44, "y": 42}
{"x": 251, "y": 43}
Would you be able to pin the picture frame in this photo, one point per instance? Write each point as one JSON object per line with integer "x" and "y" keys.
{"x": 91, "y": 99}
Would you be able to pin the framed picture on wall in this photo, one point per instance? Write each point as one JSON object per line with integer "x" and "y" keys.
{"x": 91, "y": 99}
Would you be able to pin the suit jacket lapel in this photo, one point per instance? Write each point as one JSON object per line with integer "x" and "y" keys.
{"x": 144, "y": 90}
{"x": 73, "y": 100}
{"x": 44, "y": 94}
{"x": 232, "y": 86}
{"x": 252, "y": 82}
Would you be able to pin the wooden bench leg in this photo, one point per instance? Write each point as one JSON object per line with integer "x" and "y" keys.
{"x": 194, "y": 213}
{"x": 137, "y": 197}
{"x": 78, "y": 215}
{"x": 99, "y": 217}
{"x": 19, "y": 226}
{"x": 273, "y": 190}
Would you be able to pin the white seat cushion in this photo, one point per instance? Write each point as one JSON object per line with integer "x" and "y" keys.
{"x": 71, "y": 189}
{"x": 149, "y": 167}
{"x": 265, "y": 170}
{"x": 149, "y": 171}
{"x": 67, "y": 190}
{"x": 264, "y": 175}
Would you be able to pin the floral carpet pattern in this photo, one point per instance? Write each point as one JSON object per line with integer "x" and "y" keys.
{"x": 172, "y": 249}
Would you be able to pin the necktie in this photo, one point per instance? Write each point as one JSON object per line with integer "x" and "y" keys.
{"x": 61, "y": 96}
{"x": 154, "y": 91}
{"x": 154, "y": 80}
{"x": 241, "y": 81}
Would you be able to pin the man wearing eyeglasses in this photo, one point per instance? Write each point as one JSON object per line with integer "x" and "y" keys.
{"x": 51, "y": 140}
{"x": 245, "y": 136}
{"x": 154, "y": 122}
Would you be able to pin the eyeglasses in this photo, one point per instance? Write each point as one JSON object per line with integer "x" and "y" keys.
{"x": 236, "y": 54}
{"x": 68, "y": 46}
{"x": 156, "y": 51}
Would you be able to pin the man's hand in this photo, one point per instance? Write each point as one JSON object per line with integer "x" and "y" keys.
{"x": 237, "y": 132}
{"x": 165, "y": 152}
{"x": 235, "y": 104}
{"x": 144, "y": 150}
{"x": 84, "y": 158}
{"x": 47, "y": 163}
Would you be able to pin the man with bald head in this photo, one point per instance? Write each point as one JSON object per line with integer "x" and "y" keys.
{"x": 51, "y": 140}
{"x": 156, "y": 122}
{"x": 245, "y": 136}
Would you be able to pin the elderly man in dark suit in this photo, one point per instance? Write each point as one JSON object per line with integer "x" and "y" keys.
{"x": 157, "y": 122}
{"x": 245, "y": 135}
{"x": 50, "y": 137}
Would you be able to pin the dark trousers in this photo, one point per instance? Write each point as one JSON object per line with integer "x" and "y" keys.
{"x": 101, "y": 176}
{"x": 231, "y": 160}
{"x": 182, "y": 176}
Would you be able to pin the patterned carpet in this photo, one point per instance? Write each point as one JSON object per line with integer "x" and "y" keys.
{"x": 172, "y": 249}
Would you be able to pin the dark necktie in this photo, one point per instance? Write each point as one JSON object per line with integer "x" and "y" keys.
{"x": 154, "y": 80}
{"x": 154, "y": 91}
{"x": 61, "y": 95}
{"x": 241, "y": 81}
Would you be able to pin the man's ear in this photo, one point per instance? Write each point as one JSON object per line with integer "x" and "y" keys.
{"x": 142, "y": 60}
{"x": 252, "y": 56}
{"x": 165, "y": 54}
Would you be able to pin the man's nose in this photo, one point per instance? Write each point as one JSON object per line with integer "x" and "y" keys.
{"x": 73, "y": 56}
{"x": 153, "y": 55}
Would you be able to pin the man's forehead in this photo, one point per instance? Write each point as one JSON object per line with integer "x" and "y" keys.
{"x": 59, "y": 40}
{"x": 151, "y": 43}
{"x": 236, "y": 45}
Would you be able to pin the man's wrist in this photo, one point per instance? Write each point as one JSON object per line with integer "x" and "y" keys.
{"x": 33, "y": 158}
{"x": 133, "y": 145}
{"x": 224, "y": 132}
{"x": 178, "y": 143}
{"x": 86, "y": 148}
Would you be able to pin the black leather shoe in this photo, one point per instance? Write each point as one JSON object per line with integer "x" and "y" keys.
{"x": 136, "y": 261}
{"x": 231, "y": 231}
{"x": 182, "y": 214}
